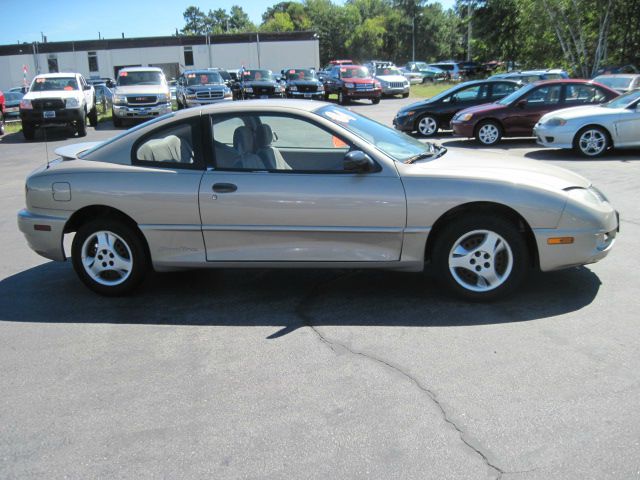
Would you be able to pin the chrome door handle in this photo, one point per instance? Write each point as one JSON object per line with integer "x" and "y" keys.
{"x": 224, "y": 187}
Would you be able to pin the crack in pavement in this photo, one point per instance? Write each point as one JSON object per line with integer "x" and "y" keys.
{"x": 302, "y": 312}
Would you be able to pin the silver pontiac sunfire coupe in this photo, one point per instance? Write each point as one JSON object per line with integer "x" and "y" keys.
{"x": 288, "y": 183}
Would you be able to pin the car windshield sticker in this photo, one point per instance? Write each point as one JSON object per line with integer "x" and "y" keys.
{"x": 292, "y": 71}
{"x": 68, "y": 87}
{"x": 343, "y": 70}
{"x": 338, "y": 143}
{"x": 204, "y": 79}
{"x": 40, "y": 80}
{"x": 123, "y": 74}
{"x": 339, "y": 116}
{"x": 191, "y": 75}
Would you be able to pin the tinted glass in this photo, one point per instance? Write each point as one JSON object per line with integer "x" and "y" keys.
{"x": 300, "y": 74}
{"x": 354, "y": 72}
{"x": 583, "y": 94}
{"x": 172, "y": 144}
{"x": 545, "y": 95}
{"x": 501, "y": 90}
{"x": 615, "y": 82}
{"x": 623, "y": 101}
{"x": 41, "y": 84}
{"x": 470, "y": 94}
{"x": 388, "y": 71}
{"x": 258, "y": 75}
{"x": 202, "y": 78}
{"x": 139, "y": 78}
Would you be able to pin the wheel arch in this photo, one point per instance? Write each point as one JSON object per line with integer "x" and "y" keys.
{"x": 592, "y": 125}
{"x": 492, "y": 208}
{"x": 427, "y": 113}
{"x": 93, "y": 212}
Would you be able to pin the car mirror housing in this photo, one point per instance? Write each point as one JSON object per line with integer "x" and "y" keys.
{"x": 521, "y": 103}
{"x": 358, "y": 161}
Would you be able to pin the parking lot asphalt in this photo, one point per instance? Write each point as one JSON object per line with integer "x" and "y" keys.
{"x": 320, "y": 374}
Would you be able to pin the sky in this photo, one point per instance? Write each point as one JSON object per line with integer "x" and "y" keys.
{"x": 62, "y": 20}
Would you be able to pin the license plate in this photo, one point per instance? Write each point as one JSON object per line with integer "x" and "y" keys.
{"x": 49, "y": 114}
{"x": 11, "y": 109}
{"x": 264, "y": 96}
{"x": 307, "y": 95}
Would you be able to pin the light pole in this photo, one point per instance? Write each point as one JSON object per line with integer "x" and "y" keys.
{"x": 413, "y": 37}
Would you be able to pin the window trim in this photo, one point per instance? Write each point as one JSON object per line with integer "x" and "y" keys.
{"x": 211, "y": 161}
{"x": 196, "y": 131}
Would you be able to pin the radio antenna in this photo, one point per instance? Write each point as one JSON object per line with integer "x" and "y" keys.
{"x": 46, "y": 145}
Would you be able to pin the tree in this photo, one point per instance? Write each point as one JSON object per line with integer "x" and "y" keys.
{"x": 195, "y": 21}
{"x": 279, "y": 22}
{"x": 239, "y": 20}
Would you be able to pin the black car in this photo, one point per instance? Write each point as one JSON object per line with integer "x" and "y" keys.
{"x": 302, "y": 83}
{"x": 12, "y": 105}
{"x": 430, "y": 115}
{"x": 256, "y": 83}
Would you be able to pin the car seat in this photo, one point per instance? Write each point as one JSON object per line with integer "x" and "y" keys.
{"x": 270, "y": 155}
{"x": 243, "y": 142}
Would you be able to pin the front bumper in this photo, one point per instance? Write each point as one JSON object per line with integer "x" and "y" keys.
{"x": 47, "y": 243}
{"x": 404, "y": 123}
{"x": 395, "y": 90}
{"x": 556, "y": 137}
{"x": 62, "y": 116}
{"x": 463, "y": 129}
{"x": 127, "y": 111}
{"x": 261, "y": 95}
{"x": 196, "y": 102}
{"x": 312, "y": 95}
{"x": 376, "y": 93}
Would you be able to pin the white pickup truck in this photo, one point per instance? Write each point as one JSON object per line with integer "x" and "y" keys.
{"x": 58, "y": 99}
{"x": 140, "y": 93}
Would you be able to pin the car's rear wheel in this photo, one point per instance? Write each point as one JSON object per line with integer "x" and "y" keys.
{"x": 592, "y": 142}
{"x": 93, "y": 115}
{"x": 480, "y": 257}
{"x": 109, "y": 257}
{"x": 82, "y": 125}
{"x": 375, "y": 101}
{"x": 28, "y": 131}
{"x": 488, "y": 133}
{"x": 342, "y": 99}
{"x": 1, "y": 124}
{"x": 405, "y": 95}
{"x": 427, "y": 126}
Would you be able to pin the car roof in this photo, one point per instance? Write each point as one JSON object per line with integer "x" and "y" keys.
{"x": 57, "y": 75}
{"x": 141, "y": 69}
{"x": 619, "y": 75}
{"x": 201, "y": 70}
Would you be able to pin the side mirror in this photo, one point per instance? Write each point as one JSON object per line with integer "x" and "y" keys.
{"x": 358, "y": 161}
{"x": 521, "y": 103}
{"x": 87, "y": 87}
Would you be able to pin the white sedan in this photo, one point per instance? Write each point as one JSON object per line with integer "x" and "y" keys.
{"x": 592, "y": 130}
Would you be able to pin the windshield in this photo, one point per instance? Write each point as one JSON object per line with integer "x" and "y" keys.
{"x": 387, "y": 71}
{"x": 422, "y": 66}
{"x": 614, "y": 82}
{"x": 354, "y": 72}
{"x": 393, "y": 143}
{"x": 13, "y": 96}
{"x": 203, "y": 78}
{"x": 623, "y": 101}
{"x": 258, "y": 75}
{"x": 301, "y": 74}
{"x": 225, "y": 75}
{"x": 139, "y": 78}
{"x": 41, "y": 84}
{"x": 515, "y": 95}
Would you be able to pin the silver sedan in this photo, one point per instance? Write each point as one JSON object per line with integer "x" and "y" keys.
{"x": 592, "y": 130}
{"x": 305, "y": 184}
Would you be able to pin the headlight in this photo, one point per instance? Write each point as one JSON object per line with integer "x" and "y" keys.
{"x": 26, "y": 104}
{"x": 555, "y": 122}
{"x": 376, "y": 84}
{"x": 293, "y": 88}
{"x": 463, "y": 117}
{"x": 349, "y": 85}
{"x": 248, "y": 89}
{"x": 321, "y": 88}
{"x": 119, "y": 99}
{"x": 71, "y": 103}
{"x": 406, "y": 114}
{"x": 589, "y": 195}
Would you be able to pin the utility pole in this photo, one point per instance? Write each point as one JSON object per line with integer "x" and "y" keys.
{"x": 469, "y": 30}
{"x": 413, "y": 39}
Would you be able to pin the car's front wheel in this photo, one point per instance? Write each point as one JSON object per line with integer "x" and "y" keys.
{"x": 427, "y": 126}
{"x": 117, "y": 122}
{"x": 480, "y": 257}
{"x": 109, "y": 257}
{"x": 488, "y": 133}
{"x": 28, "y": 131}
{"x": 82, "y": 125}
{"x": 93, "y": 115}
{"x": 375, "y": 100}
{"x": 591, "y": 141}
{"x": 1, "y": 124}
{"x": 342, "y": 99}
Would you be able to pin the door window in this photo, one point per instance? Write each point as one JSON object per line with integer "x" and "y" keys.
{"x": 545, "y": 95}
{"x": 275, "y": 143}
{"x": 471, "y": 94}
{"x": 583, "y": 94}
{"x": 501, "y": 90}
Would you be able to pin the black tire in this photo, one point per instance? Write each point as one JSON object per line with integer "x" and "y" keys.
{"x": 1, "y": 124}
{"x": 427, "y": 80}
{"x": 82, "y": 126}
{"x": 117, "y": 122}
{"x": 342, "y": 99}
{"x": 511, "y": 257}
{"x": 129, "y": 246}
{"x": 28, "y": 130}
{"x": 93, "y": 115}
{"x": 592, "y": 141}
{"x": 375, "y": 101}
{"x": 179, "y": 104}
{"x": 427, "y": 125}
{"x": 488, "y": 132}
{"x": 405, "y": 95}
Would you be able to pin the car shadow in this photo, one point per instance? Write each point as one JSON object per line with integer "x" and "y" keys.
{"x": 504, "y": 144}
{"x": 566, "y": 155}
{"x": 285, "y": 299}
{"x": 49, "y": 134}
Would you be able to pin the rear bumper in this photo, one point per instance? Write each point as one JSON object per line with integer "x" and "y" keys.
{"x": 47, "y": 243}
{"x": 127, "y": 111}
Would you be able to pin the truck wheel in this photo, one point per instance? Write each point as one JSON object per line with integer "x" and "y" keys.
{"x": 342, "y": 100}
{"x": 109, "y": 257}
{"x": 178, "y": 104}
{"x": 405, "y": 95}
{"x": 116, "y": 120}
{"x": 28, "y": 130}
{"x": 375, "y": 101}
{"x": 93, "y": 115}
{"x": 82, "y": 126}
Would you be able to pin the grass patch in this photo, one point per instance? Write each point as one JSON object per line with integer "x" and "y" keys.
{"x": 428, "y": 90}
{"x": 12, "y": 127}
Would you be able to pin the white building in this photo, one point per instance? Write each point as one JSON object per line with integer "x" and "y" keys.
{"x": 103, "y": 58}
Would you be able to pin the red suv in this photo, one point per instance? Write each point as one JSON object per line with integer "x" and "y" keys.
{"x": 516, "y": 114}
{"x": 352, "y": 82}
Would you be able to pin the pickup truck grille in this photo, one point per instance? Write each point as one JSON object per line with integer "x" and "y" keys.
{"x": 208, "y": 95}
{"x": 41, "y": 104}
{"x": 307, "y": 88}
{"x": 142, "y": 99}
{"x": 364, "y": 86}
{"x": 263, "y": 90}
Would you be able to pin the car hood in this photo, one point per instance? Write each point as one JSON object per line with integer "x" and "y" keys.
{"x": 391, "y": 78}
{"x": 52, "y": 94}
{"x": 312, "y": 83}
{"x": 12, "y": 103}
{"x": 140, "y": 90}
{"x": 515, "y": 171}
{"x": 414, "y": 106}
{"x": 581, "y": 112}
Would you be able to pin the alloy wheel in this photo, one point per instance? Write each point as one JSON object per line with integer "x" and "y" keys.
{"x": 107, "y": 258}
{"x": 488, "y": 134}
{"x": 427, "y": 126}
{"x": 592, "y": 142}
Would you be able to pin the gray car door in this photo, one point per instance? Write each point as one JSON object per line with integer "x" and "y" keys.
{"x": 627, "y": 127}
{"x": 279, "y": 193}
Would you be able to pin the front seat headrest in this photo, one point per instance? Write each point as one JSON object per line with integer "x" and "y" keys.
{"x": 243, "y": 140}
{"x": 264, "y": 136}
